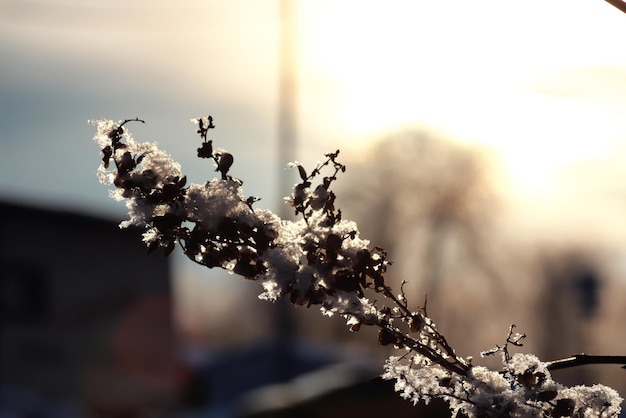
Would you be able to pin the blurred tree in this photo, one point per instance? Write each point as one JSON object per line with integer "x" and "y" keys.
{"x": 428, "y": 202}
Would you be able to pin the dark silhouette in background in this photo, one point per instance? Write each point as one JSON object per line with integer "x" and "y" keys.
{"x": 568, "y": 303}
{"x": 86, "y": 319}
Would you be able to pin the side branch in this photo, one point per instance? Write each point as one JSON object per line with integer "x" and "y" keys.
{"x": 584, "y": 359}
{"x": 618, "y": 4}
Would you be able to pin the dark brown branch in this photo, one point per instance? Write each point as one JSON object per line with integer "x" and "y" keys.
{"x": 454, "y": 365}
{"x": 618, "y": 3}
{"x": 583, "y": 359}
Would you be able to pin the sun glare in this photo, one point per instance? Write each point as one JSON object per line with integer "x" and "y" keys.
{"x": 471, "y": 69}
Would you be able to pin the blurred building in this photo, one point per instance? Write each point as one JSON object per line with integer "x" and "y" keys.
{"x": 86, "y": 324}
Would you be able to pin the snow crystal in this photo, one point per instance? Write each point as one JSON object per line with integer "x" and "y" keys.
{"x": 213, "y": 201}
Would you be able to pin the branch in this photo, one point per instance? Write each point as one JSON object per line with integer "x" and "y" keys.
{"x": 618, "y": 3}
{"x": 583, "y": 359}
{"x": 321, "y": 260}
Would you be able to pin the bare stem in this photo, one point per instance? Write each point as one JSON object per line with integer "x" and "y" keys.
{"x": 618, "y": 4}
{"x": 584, "y": 359}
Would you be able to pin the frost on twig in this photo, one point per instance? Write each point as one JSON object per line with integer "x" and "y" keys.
{"x": 524, "y": 389}
{"x": 320, "y": 259}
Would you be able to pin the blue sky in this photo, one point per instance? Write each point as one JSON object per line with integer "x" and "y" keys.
{"x": 66, "y": 62}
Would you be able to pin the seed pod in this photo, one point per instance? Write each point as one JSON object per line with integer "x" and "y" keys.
{"x": 547, "y": 395}
{"x": 224, "y": 164}
{"x": 206, "y": 150}
{"x": 107, "y": 153}
{"x": 528, "y": 379}
{"x": 416, "y": 323}
{"x": 126, "y": 163}
{"x": 386, "y": 337}
{"x": 302, "y": 172}
{"x": 564, "y": 408}
{"x": 333, "y": 243}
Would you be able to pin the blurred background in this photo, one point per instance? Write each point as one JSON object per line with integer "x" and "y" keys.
{"x": 485, "y": 146}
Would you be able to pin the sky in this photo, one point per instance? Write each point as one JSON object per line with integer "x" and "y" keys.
{"x": 541, "y": 84}
{"x": 65, "y": 62}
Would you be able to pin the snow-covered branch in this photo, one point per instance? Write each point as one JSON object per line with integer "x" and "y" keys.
{"x": 320, "y": 259}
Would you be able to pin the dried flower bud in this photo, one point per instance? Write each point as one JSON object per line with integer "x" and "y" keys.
{"x": 386, "y": 337}
{"x": 206, "y": 150}
{"x": 302, "y": 172}
{"x": 224, "y": 163}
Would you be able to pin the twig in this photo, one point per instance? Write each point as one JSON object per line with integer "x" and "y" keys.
{"x": 618, "y": 3}
{"x": 583, "y": 359}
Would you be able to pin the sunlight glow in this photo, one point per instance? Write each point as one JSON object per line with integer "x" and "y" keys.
{"x": 479, "y": 70}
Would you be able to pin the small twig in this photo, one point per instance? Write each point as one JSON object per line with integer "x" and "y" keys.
{"x": 131, "y": 120}
{"x": 583, "y": 359}
{"x": 618, "y": 4}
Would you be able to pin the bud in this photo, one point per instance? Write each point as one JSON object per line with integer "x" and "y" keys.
{"x": 224, "y": 163}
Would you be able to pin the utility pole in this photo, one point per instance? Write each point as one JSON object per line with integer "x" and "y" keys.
{"x": 287, "y": 102}
{"x": 287, "y": 92}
